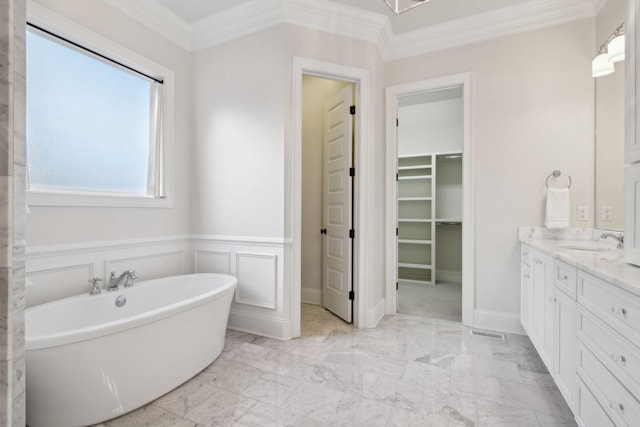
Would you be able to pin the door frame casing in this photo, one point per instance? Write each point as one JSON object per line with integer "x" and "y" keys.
{"x": 468, "y": 209}
{"x": 363, "y": 159}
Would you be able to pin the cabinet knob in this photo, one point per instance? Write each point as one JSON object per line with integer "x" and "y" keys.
{"x": 620, "y": 311}
{"x": 616, "y": 406}
{"x": 526, "y": 276}
{"x": 552, "y": 299}
{"x": 538, "y": 261}
{"x": 618, "y": 358}
{"x": 561, "y": 277}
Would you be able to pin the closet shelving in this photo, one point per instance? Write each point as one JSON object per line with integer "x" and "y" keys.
{"x": 415, "y": 218}
{"x": 420, "y": 212}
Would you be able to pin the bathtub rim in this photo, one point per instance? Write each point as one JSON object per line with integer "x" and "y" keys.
{"x": 43, "y": 342}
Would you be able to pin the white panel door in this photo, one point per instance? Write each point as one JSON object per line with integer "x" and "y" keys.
{"x": 336, "y": 251}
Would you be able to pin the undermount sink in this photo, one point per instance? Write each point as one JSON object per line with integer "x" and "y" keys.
{"x": 588, "y": 246}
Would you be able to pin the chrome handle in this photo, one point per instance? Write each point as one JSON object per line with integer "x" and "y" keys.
{"x": 526, "y": 276}
{"x": 538, "y": 261}
{"x": 565, "y": 277}
{"x": 95, "y": 289}
{"x": 618, "y": 358}
{"x": 619, "y": 311}
{"x": 552, "y": 299}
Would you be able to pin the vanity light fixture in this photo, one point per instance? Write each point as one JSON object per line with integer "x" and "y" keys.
{"x": 615, "y": 47}
{"x": 609, "y": 53}
{"x": 400, "y": 6}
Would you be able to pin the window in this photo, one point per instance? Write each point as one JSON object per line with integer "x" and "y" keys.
{"x": 95, "y": 128}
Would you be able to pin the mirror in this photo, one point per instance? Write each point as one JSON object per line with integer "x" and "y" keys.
{"x": 609, "y": 150}
{"x": 609, "y": 128}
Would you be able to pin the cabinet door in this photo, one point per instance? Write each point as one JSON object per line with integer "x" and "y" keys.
{"x": 543, "y": 307}
{"x": 564, "y": 346}
{"x": 526, "y": 298}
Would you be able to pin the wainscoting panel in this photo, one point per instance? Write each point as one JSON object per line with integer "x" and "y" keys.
{"x": 257, "y": 279}
{"x": 258, "y": 263}
{"x": 62, "y": 271}
{"x": 212, "y": 261}
{"x": 60, "y": 282}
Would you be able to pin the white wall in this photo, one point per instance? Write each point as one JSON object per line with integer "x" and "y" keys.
{"x": 532, "y": 113}
{"x": 430, "y": 127}
{"x": 315, "y": 92}
{"x": 65, "y": 225}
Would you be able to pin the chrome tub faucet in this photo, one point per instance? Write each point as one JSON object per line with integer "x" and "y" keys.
{"x": 127, "y": 277}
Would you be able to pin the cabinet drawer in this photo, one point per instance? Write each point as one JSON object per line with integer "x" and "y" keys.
{"x": 618, "y": 403}
{"x": 588, "y": 411}
{"x": 619, "y": 356}
{"x": 525, "y": 255}
{"x": 616, "y": 307}
{"x": 565, "y": 278}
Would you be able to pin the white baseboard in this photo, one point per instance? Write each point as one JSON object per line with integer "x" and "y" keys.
{"x": 497, "y": 321}
{"x": 375, "y": 314}
{"x": 260, "y": 325}
{"x": 311, "y": 296}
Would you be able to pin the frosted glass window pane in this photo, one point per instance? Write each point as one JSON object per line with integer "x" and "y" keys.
{"x": 87, "y": 121}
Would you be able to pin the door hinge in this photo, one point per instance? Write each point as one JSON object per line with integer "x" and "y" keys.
{"x": 352, "y": 295}
{"x": 397, "y": 286}
{"x": 397, "y": 122}
{"x": 352, "y": 171}
{"x": 352, "y": 110}
{"x": 397, "y": 176}
{"x": 352, "y": 233}
{"x": 397, "y": 231}
{"x": 323, "y": 231}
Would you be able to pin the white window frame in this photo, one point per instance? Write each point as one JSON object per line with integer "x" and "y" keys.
{"x": 65, "y": 28}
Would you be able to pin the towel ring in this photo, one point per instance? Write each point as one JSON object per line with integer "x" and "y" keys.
{"x": 556, "y": 173}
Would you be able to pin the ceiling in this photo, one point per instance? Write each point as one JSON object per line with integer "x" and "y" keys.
{"x": 431, "y": 13}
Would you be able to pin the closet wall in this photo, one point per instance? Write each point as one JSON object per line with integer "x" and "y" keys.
{"x": 432, "y": 124}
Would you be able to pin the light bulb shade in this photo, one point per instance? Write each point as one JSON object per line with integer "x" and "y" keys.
{"x": 601, "y": 66}
{"x": 615, "y": 48}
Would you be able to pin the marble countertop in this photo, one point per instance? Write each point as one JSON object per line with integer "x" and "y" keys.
{"x": 607, "y": 264}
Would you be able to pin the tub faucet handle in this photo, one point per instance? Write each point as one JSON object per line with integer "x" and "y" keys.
{"x": 95, "y": 288}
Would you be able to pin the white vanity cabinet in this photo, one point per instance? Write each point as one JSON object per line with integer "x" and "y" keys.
{"x": 594, "y": 326}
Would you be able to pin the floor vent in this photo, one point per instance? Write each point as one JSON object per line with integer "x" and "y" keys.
{"x": 488, "y": 335}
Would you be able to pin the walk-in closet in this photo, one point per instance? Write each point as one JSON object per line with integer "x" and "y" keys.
{"x": 430, "y": 194}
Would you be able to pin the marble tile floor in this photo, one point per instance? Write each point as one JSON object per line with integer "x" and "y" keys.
{"x": 442, "y": 301}
{"x": 409, "y": 371}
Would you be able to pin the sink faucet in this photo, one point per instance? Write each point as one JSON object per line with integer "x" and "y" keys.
{"x": 619, "y": 239}
{"x": 127, "y": 276}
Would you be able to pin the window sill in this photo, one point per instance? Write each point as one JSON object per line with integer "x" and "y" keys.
{"x": 52, "y": 198}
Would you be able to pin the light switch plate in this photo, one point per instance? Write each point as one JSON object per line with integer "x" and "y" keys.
{"x": 607, "y": 213}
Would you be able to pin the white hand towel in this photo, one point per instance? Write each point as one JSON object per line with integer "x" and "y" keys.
{"x": 557, "y": 212}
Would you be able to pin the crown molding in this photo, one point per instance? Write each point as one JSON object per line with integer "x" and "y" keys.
{"x": 246, "y": 18}
{"x": 158, "y": 18}
{"x": 528, "y": 16}
{"x": 256, "y": 15}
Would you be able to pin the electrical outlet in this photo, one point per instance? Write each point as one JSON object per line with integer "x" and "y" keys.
{"x": 607, "y": 213}
{"x": 583, "y": 213}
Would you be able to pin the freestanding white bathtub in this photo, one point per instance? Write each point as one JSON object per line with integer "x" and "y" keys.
{"x": 89, "y": 361}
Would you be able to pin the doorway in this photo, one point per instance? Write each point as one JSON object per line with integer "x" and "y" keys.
{"x": 327, "y": 194}
{"x": 430, "y": 267}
